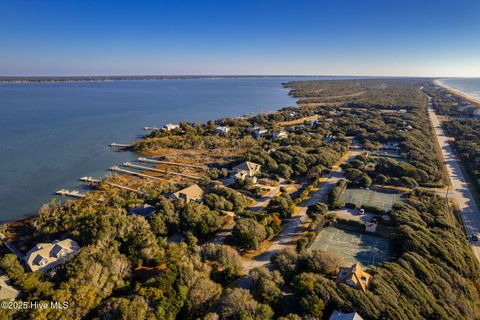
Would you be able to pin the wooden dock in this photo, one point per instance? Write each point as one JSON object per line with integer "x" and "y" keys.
{"x": 172, "y": 163}
{"x": 92, "y": 181}
{"x": 11, "y": 247}
{"x": 151, "y": 128}
{"x": 73, "y": 193}
{"x": 120, "y": 145}
{"x": 131, "y": 165}
{"x": 138, "y": 174}
{"x": 89, "y": 180}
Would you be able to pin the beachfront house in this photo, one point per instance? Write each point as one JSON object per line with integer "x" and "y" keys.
{"x": 337, "y": 315}
{"x": 278, "y": 135}
{"x": 193, "y": 192}
{"x": 7, "y": 292}
{"x": 354, "y": 276}
{"x": 170, "y": 126}
{"x": 222, "y": 130}
{"x": 46, "y": 256}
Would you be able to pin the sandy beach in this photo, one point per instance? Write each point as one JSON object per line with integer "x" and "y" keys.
{"x": 458, "y": 93}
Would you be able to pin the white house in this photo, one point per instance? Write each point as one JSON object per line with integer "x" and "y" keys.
{"x": 277, "y": 135}
{"x": 222, "y": 130}
{"x": 170, "y": 126}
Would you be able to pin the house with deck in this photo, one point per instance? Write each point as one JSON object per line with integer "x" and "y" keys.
{"x": 46, "y": 256}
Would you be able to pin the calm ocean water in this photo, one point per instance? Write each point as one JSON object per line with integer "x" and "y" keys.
{"x": 470, "y": 86}
{"x": 51, "y": 134}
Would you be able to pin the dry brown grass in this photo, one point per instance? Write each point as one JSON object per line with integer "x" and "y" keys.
{"x": 298, "y": 121}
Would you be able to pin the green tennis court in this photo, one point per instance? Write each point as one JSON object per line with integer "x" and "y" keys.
{"x": 353, "y": 247}
{"x": 379, "y": 199}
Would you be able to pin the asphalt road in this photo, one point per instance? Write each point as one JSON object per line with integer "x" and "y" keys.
{"x": 459, "y": 190}
{"x": 295, "y": 227}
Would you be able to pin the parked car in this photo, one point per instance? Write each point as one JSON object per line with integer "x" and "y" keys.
{"x": 362, "y": 211}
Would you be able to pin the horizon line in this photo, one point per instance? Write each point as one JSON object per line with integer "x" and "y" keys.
{"x": 219, "y": 75}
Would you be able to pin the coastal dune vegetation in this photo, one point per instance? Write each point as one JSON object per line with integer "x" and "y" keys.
{"x": 171, "y": 264}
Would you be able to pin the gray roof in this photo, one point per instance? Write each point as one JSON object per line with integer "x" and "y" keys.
{"x": 7, "y": 292}
{"x": 337, "y": 315}
{"x": 146, "y": 210}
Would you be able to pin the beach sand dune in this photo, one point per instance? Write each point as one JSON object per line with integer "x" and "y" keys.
{"x": 458, "y": 93}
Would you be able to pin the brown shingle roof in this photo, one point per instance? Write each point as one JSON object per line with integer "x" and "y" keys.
{"x": 192, "y": 192}
{"x": 354, "y": 277}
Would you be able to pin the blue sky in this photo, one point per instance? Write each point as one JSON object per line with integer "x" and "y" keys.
{"x": 337, "y": 37}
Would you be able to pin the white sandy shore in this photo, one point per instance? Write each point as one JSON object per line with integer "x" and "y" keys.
{"x": 458, "y": 93}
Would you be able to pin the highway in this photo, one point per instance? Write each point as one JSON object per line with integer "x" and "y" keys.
{"x": 459, "y": 190}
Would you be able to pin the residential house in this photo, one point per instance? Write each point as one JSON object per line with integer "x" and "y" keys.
{"x": 170, "y": 126}
{"x": 354, "y": 276}
{"x": 258, "y": 132}
{"x": 193, "y": 192}
{"x": 277, "y": 135}
{"x": 391, "y": 145}
{"x": 146, "y": 211}
{"x": 7, "y": 292}
{"x": 46, "y": 256}
{"x": 246, "y": 169}
{"x": 337, "y": 315}
{"x": 222, "y": 130}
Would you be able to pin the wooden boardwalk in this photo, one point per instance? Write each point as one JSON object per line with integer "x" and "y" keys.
{"x": 173, "y": 163}
{"x": 131, "y": 165}
{"x": 138, "y": 174}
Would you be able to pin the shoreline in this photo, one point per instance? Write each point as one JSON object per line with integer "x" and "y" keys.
{"x": 458, "y": 93}
{"x": 20, "y": 79}
{"x": 22, "y": 219}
